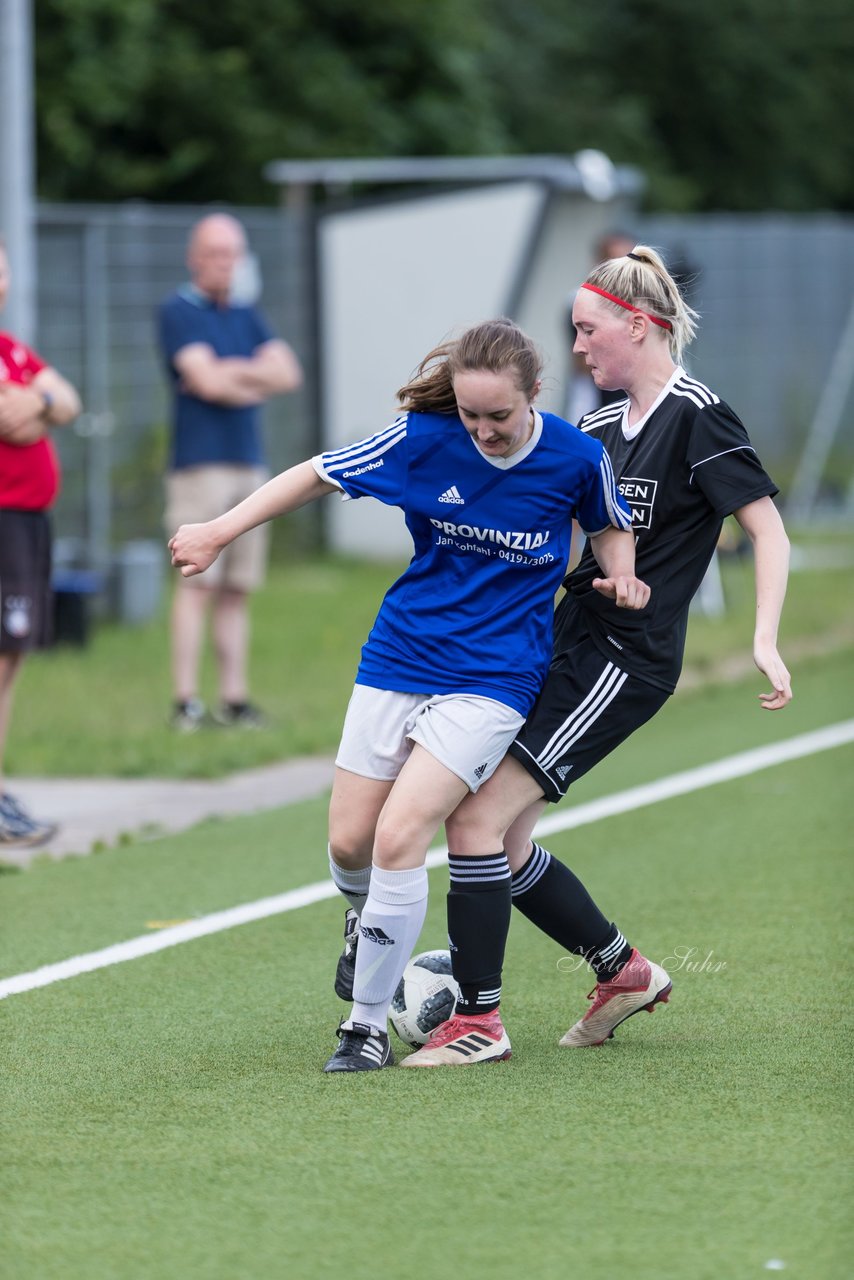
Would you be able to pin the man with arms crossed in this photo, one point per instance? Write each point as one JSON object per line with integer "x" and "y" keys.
{"x": 223, "y": 362}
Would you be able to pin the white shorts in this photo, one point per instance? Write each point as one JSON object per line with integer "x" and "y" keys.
{"x": 467, "y": 734}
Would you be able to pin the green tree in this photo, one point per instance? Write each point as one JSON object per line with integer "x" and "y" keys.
{"x": 181, "y": 101}
{"x": 724, "y": 104}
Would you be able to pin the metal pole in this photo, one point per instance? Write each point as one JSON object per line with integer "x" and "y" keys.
{"x": 303, "y": 284}
{"x": 99, "y": 419}
{"x": 16, "y": 164}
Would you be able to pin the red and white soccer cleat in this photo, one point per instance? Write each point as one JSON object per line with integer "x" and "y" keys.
{"x": 640, "y": 984}
{"x": 462, "y": 1041}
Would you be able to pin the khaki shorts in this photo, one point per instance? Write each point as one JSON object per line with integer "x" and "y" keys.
{"x": 466, "y": 733}
{"x": 196, "y": 494}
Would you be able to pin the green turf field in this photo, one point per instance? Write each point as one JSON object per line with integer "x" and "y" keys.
{"x": 167, "y": 1117}
{"x": 107, "y": 705}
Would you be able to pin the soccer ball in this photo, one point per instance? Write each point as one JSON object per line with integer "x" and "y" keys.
{"x": 425, "y": 996}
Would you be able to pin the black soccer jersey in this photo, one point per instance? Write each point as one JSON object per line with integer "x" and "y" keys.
{"x": 682, "y": 469}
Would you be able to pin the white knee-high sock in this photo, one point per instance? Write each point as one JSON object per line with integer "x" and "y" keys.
{"x": 354, "y": 885}
{"x": 391, "y": 921}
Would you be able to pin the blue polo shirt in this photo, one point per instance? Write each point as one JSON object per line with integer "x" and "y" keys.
{"x": 203, "y": 432}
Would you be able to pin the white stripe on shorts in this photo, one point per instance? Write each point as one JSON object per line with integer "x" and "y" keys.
{"x": 576, "y": 725}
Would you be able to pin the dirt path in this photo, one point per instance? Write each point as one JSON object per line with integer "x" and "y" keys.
{"x": 102, "y": 812}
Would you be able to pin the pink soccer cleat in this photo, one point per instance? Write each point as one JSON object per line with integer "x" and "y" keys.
{"x": 462, "y": 1041}
{"x": 640, "y": 984}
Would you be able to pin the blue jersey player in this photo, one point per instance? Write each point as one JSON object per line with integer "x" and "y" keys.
{"x": 489, "y": 487}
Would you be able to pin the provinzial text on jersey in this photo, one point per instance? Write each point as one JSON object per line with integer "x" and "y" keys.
{"x": 515, "y": 541}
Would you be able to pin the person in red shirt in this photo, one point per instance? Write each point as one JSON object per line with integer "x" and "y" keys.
{"x": 33, "y": 398}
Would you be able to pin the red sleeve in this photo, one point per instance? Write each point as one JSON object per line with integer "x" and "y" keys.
{"x": 22, "y": 363}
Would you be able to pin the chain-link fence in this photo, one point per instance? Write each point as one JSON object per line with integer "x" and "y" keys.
{"x": 775, "y": 294}
{"x": 102, "y": 272}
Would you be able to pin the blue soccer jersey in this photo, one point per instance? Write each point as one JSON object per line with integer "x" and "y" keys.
{"x": 473, "y": 611}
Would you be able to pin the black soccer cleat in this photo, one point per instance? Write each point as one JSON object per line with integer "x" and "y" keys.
{"x": 361, "y": 1048}
{"x": 346, "y": 971}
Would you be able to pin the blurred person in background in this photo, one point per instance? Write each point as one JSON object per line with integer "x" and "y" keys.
{"x": 223, "y": 362}
{"x": 33, "y": 398}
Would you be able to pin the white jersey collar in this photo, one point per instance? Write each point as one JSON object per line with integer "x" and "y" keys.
{"x": 631, "y": 433}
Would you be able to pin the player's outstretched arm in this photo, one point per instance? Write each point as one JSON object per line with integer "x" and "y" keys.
{"x": 761, "y": 522}
{"x": 195, "y": 546}
{"x": 614, "y": 550}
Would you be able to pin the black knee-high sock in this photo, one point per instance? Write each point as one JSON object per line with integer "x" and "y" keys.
{"x": 478, "y": 920}
{"x": 557, "y": 902}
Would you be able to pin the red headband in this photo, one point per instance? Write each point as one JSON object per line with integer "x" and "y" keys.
{"x": 662, "y": 324}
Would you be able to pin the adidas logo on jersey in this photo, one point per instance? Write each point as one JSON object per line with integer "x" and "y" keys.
{"x": 452, "y": 495}
{"x": 376, "y": 935}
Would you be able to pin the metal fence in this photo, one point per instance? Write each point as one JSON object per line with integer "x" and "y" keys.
{"x": 102, "y": 271}
{"x": 774, "y": 293}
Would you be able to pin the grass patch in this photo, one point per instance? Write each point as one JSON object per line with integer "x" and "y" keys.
{"x": 168, "y": 1116}
{"x": 102, "y": 710}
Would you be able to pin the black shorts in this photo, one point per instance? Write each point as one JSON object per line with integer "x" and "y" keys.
{"x": 585, "y": 709}
{"x": 26, "y": 599}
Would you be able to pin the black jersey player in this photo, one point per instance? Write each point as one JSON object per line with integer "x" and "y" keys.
{"x": 684, "y": 462}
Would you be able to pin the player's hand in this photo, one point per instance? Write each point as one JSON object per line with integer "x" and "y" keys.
{"x": 626, "y": 592}
{"x": 771, "y": 664}
{"x": 193, "y": 548}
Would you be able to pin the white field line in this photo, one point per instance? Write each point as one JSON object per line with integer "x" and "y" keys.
{"x": 737, "y": 766}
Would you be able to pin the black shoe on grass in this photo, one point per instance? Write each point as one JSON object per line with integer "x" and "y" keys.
{"x": 240, "y": 715}
{"x": 360, "y": 1048}
{"x": 188, "y": 715}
